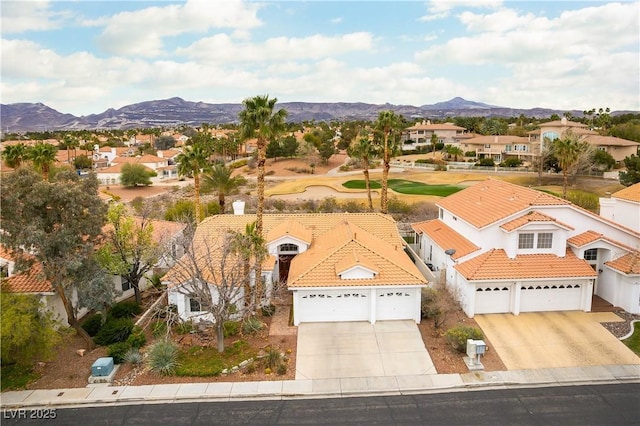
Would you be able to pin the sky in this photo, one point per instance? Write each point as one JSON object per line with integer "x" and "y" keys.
{"x": 83, "y": 57}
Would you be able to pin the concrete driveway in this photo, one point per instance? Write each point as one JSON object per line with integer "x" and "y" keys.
{"x": 359, "y": 349}
{"x": 554, "y": 339}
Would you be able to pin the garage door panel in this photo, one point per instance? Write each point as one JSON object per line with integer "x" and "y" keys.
{"x": 395, "y": 304}
{"x": 550, "y": 297}
{"x": 493, "y": 299}
{"x": 327, "y": 306}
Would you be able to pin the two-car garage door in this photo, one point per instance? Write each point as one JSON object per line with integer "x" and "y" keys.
{"x": 491, "y": 299}
{"x": 355, "y": 305}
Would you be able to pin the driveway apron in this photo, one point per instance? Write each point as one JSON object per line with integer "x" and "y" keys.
{"x": 554, "y": 339}
{"x": 360, "y": 349}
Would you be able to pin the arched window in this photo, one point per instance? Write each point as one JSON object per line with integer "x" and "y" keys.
{"x": 288, "y": 248}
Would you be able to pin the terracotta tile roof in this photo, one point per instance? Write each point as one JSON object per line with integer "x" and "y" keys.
{"x": 293, "y": 228}
{"x": 317, "y": 266}
{"x": 563, "y": 123}
{"x": 495, "y": 265}
{"x": 628, "y": 264}
{"x": 31, "y": 281}
{"x": 609, "y": 141}
{"x": 334, "y": 237}
{"x": 147, "y": 158}
{"x": 630, "y": 193}
{"x": 491, "y": 200}
{"x": 445, "y": 237}
{"x": 444, "y": 126}
{"x": 585, "y": 238}
{"x": 355, "y": 259}
{"x": 589, "y": 237}
{"x": 532, "y": 216}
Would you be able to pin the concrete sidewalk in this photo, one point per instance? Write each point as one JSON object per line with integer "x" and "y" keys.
{"x": 94, "y": 395}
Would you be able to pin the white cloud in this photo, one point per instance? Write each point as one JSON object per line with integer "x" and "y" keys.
{"x": 439, "y": 9}
{"x": 222, "y": 48}
{"x": 141, "y": 33}
{"x": 337, "y": 20}
{"x": 22, "y": 16}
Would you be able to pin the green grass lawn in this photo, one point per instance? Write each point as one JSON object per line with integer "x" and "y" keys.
{"x": 200, "y": 361}
{"x": 633, "y": 342}
{"x": 407, "y": 187}
{"x": 16, "y": 377}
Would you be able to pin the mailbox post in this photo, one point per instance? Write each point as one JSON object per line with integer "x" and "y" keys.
{"x": 475, "y": 350}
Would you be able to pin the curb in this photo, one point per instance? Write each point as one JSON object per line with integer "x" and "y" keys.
{"x": 282, "y": 396}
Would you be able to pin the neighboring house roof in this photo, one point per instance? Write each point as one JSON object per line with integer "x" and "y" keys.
{"x": 589, "y": 237}
{"x": 31, "y": 281}
{"x": 563, "y": 123}
{"x": 628, "y": 264}
{"x": 532, "y": 216}
{"x": 444, "y": 126}
{"x": 445, "y": 237}
{"x": 496, "y": 265}
{"x": 500, "y": 140}
{"x": 630, "y": 193}
{"x": 147, "y": 158}
{"x": 609, "y": 141}
{"x": 491, "y": 200}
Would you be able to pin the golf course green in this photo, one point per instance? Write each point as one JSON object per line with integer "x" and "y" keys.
{"x": 407, "y": 187}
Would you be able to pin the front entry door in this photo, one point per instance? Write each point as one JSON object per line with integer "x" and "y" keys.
{"x": 284, "y": 262}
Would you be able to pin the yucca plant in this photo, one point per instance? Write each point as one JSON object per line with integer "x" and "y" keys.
{"x": 133, "y": 356}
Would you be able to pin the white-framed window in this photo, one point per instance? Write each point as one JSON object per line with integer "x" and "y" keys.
{"x": 525, "y": 241}
{"x": 487, "y": 146}
{"x": 124, "y": 284}
{"x": 545, "y": 240}
{"x": 591, "y": 254}
{"x": 194, "y": 305}
{"x": 288, "y": 247}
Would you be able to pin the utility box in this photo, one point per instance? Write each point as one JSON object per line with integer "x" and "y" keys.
{"x": 475, "y": 348}
{"x": 102, "y": 367}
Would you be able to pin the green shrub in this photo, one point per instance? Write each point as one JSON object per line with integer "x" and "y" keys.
{"x": 250, "y": 368}
{"x": 273, "y": 358}
{"x": 457, "y": 336}
{"x": 511, "y": 162}
{"x": 429, "y": 304}
{"x": 486, "y": 162}
{"x": 184, "y": 327}
{"x": 281, "y": 370}
{"x": 269, "y": 310}
{"x": 470, "y": 154}
{"x": 251, "y": 325}
{"x": 163, "y": 357}
{"x": 113, "y": 331}
{"x": 92, "y": 324}
{"x": 118, "y": 351}
{"x": 126, "y": 309}
{"x": 137, "y": 339}
{"x": 231, "y": 328}
{"x": 133, "y": 356}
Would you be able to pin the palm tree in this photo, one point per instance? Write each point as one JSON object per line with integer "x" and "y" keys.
{"x": 70, "y": 142}
{"x": 387, "y": 125}
{"x": 567, "y": 151}
{"x": 251, "y": 246}
{"x": 43, "y": 155}
{"x": 258, "y": 120}
{"x": 191, "y": 162}
{"x": 220, "y": 180}
{"x": 364, "y": 149}
{"x": 456, "y": 151}
{"x": 14, "y": 155}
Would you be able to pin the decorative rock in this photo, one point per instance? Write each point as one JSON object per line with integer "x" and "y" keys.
{"x": 235, "y": 369}
{"x": 81, "y": 352}
{"x": 225, "y": 371}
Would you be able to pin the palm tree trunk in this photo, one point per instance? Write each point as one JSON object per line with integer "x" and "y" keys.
{"x": 367, "y": 182}
{"x": 221, "y": 201}
{"x": 196, "y": 187}
{"x": 385, "y": 175}
{"x": 566, "y": 182}
{"x": 262, "y": 159}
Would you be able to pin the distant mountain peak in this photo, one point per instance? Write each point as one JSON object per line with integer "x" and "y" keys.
{"x": 458, "y": 103}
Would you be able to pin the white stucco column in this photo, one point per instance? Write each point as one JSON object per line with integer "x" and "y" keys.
{"x": 373, "y": 294}
{"x": 517, "y": 294}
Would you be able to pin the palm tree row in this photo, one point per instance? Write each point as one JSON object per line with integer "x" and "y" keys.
{"x": 41, "y": 155}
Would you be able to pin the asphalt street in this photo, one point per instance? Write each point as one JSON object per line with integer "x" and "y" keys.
{"x": 615, "y": 404}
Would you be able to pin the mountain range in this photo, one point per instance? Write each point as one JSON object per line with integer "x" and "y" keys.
{"x": 23, "y": 117}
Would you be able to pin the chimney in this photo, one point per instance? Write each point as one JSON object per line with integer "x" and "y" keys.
{"x": 238, "y": 207}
